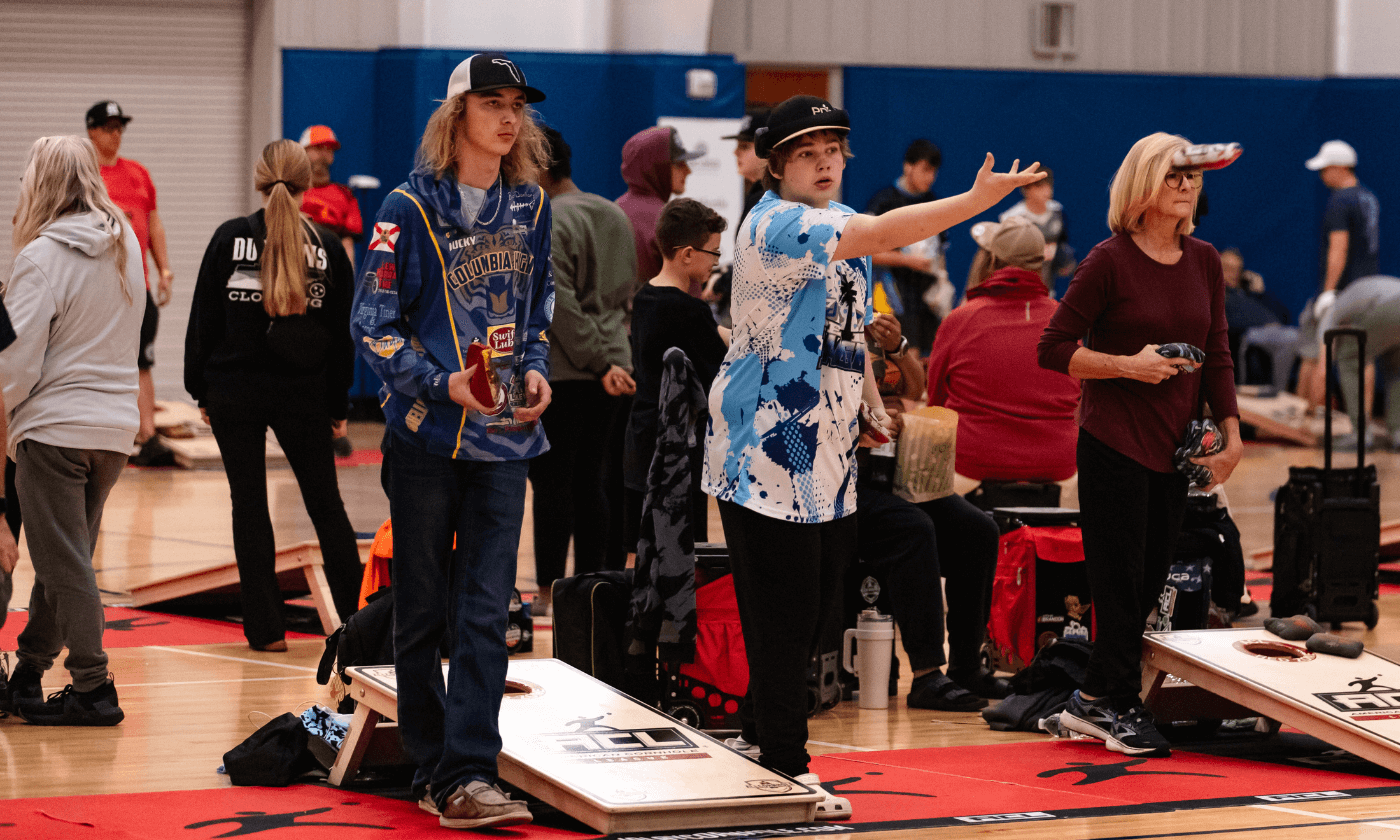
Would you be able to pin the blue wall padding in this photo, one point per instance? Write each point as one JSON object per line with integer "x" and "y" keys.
{"x": 1082, "y": 124}
{"x": 378, "y": 103}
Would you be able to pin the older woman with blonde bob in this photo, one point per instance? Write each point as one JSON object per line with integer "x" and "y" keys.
{"x": 70, "y": 387}
{"x": 1149, "y": 284}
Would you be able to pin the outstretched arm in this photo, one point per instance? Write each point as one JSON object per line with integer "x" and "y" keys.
{"x": 865, "y": 235}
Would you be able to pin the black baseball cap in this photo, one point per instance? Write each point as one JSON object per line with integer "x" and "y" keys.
{"x": 103, "y": 111}
{"x": 796, "y": 116}
{"x": 490, "y": 71}
{"x": 752, "y": 122}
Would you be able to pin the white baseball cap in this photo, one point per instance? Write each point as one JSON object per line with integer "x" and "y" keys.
{"x": 1333, "y": 153}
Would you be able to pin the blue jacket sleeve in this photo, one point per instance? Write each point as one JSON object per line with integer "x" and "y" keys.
{"x": 390, "y": 284}
{"x": 541, "y": 314}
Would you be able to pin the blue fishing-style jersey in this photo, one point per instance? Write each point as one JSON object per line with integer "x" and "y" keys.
{"x": 433, "y": 282}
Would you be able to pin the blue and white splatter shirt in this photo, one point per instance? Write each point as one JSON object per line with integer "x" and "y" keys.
{"x": 784, "y": 408}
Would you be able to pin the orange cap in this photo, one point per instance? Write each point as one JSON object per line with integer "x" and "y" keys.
{"x": 319, "y": 135}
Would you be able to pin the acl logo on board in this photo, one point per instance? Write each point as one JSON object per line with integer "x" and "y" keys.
{"x": 617, "y": 745}
{"x": 1377, "y": 702}
{"x": 1024, "y": 815}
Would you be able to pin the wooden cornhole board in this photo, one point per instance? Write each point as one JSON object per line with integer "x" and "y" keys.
{"x": 299, "y": 568}
{"x": 1353, "y": 704}
{"x": 1285, "y": 416}
{"x": 191, "y": 440}
{"x": 1390, "y": 544}
{"x": 600, "y": 756}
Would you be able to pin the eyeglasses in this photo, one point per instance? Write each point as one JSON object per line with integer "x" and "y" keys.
{"x": 706, "y": 251}
{"x": 1191, "y": 176}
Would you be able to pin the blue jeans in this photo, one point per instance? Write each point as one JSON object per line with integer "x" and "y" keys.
{"x": 463, "y": 593}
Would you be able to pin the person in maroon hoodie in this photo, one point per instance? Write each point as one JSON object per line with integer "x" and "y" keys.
{"x": 1149, "y": 284}
{"x": 655, "y": 166}
{"x": 1015, "y": 419}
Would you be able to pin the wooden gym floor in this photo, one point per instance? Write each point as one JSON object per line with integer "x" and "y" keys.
{"x": 187, "y": 705}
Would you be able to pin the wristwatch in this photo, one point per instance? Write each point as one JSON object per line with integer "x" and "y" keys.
{"x": 901, "y": 349}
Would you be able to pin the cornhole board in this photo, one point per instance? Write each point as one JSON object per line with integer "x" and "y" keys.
{"x": 600, "y": 756}
{"x": 1285, "y": 416}
{"x": 1390, "y": 544}
{"x": 1353, "y": 704}
{"x": 299, "y": 568}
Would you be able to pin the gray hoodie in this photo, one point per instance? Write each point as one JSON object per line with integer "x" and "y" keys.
{"x": 70, "y": 377}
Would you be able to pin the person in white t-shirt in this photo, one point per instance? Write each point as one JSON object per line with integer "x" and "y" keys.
{"x": 781, "y": 442}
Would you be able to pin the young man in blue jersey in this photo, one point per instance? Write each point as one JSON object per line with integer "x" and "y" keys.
{"x": 451, "y": 309}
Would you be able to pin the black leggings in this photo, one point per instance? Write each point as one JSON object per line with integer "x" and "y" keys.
{"x": 787, "y": 579}
{"x": 1130, "y": 517}
{"x": 240, "y": 421}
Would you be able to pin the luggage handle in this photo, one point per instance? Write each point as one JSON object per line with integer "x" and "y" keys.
{"x": 1328, "y": 338}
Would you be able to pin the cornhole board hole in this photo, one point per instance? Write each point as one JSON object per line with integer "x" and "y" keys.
{"x": 600, "y": 756}
{"x": 299, "y": 569}
{"x": 1353, "y": 704}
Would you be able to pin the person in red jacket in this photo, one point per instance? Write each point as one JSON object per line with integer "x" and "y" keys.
{"x": 1015, "y": 419}
{"x": 329, "y": 204}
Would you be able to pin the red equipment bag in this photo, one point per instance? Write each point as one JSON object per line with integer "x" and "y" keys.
{"x": 706, "y": 693}
{"x": 1041, "y": 591}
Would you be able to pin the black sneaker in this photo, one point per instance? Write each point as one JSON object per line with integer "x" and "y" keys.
{"x": 24, "y": 689}
{"x": 153, "y": 454}
{"x": 77, "y": 708}
{"x": 936, "y": 691}
{"x": 1131, "y": 733}
{"x": 982, "y": 682}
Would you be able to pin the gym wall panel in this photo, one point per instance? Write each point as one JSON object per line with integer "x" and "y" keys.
{"x": 1083, "y": 124}
{"x": 180, "y": 70}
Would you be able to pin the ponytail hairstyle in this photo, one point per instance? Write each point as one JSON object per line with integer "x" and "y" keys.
{"x": 282, "y": 175}
{"x": 62, "y": 177}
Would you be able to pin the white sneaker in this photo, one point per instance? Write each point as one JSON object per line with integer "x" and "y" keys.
{"x": 740, "y": 745}
{"x": 830, "y": 808}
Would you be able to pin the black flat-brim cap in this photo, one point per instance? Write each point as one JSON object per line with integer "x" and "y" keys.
{"x": 796, "y": 116}
{"x": 490, "y": 71}
{"x": 105, "y": 110}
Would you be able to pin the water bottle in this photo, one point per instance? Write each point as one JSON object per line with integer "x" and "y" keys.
{"x": 874, "y": 635}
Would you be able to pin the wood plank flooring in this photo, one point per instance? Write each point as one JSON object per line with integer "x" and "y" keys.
{"x": 187, "y": 705}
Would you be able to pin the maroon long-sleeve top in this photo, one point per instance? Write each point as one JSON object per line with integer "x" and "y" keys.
{"x": 1121, "y": 299}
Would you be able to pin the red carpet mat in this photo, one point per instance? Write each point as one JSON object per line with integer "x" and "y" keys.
{"x": 361, "y": 458}
{"x": 137, "y": 628}
{"x": 913, "y": 789}
{"x": 1261, "y": 585}
{"x": 300, "y": 812}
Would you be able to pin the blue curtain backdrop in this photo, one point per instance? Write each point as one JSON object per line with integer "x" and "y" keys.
{"x": 1080, "y": 124}
{"x": 378, "y": 103}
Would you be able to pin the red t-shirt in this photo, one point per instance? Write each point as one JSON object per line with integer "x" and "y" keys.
{"x": 1015, "y": 419}
{"x": 130, "y": 186}
{"x": 335, "y": 207}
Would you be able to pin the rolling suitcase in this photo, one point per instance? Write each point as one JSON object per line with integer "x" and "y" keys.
{"x": 1327, "y": 529}
{"x": 590, "y": 624}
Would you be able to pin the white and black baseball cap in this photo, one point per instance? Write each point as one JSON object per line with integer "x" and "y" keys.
{"x": 1333, "y": 153}
{"x": 105, "y": 110}
{"x": 796, "y": 116}
{"x": 490, "y": 71}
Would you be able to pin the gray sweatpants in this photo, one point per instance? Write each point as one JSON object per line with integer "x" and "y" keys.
{"x": 61, "y": 492}
{"x": 1371, "y": 304}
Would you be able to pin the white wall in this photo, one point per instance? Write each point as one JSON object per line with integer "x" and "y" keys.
{"x": 1367, "y": 38}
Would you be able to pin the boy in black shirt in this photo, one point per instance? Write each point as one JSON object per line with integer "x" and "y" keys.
{"x": 665, "y": 315}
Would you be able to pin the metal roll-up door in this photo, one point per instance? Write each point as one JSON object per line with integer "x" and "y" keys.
{"x": 180, "y": 70}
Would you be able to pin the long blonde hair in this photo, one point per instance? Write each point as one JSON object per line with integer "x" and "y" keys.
{"x": 1140, "y": 179}
{"x": 521, "y": 165}
{"x": 282, "y": 175}
{"x": 62, "y": 177}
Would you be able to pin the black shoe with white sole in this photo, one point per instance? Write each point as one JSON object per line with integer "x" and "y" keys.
{"x": 1132, "y": 732}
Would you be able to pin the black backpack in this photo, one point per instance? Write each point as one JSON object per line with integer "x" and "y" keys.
{"x": 366, "y": 638}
